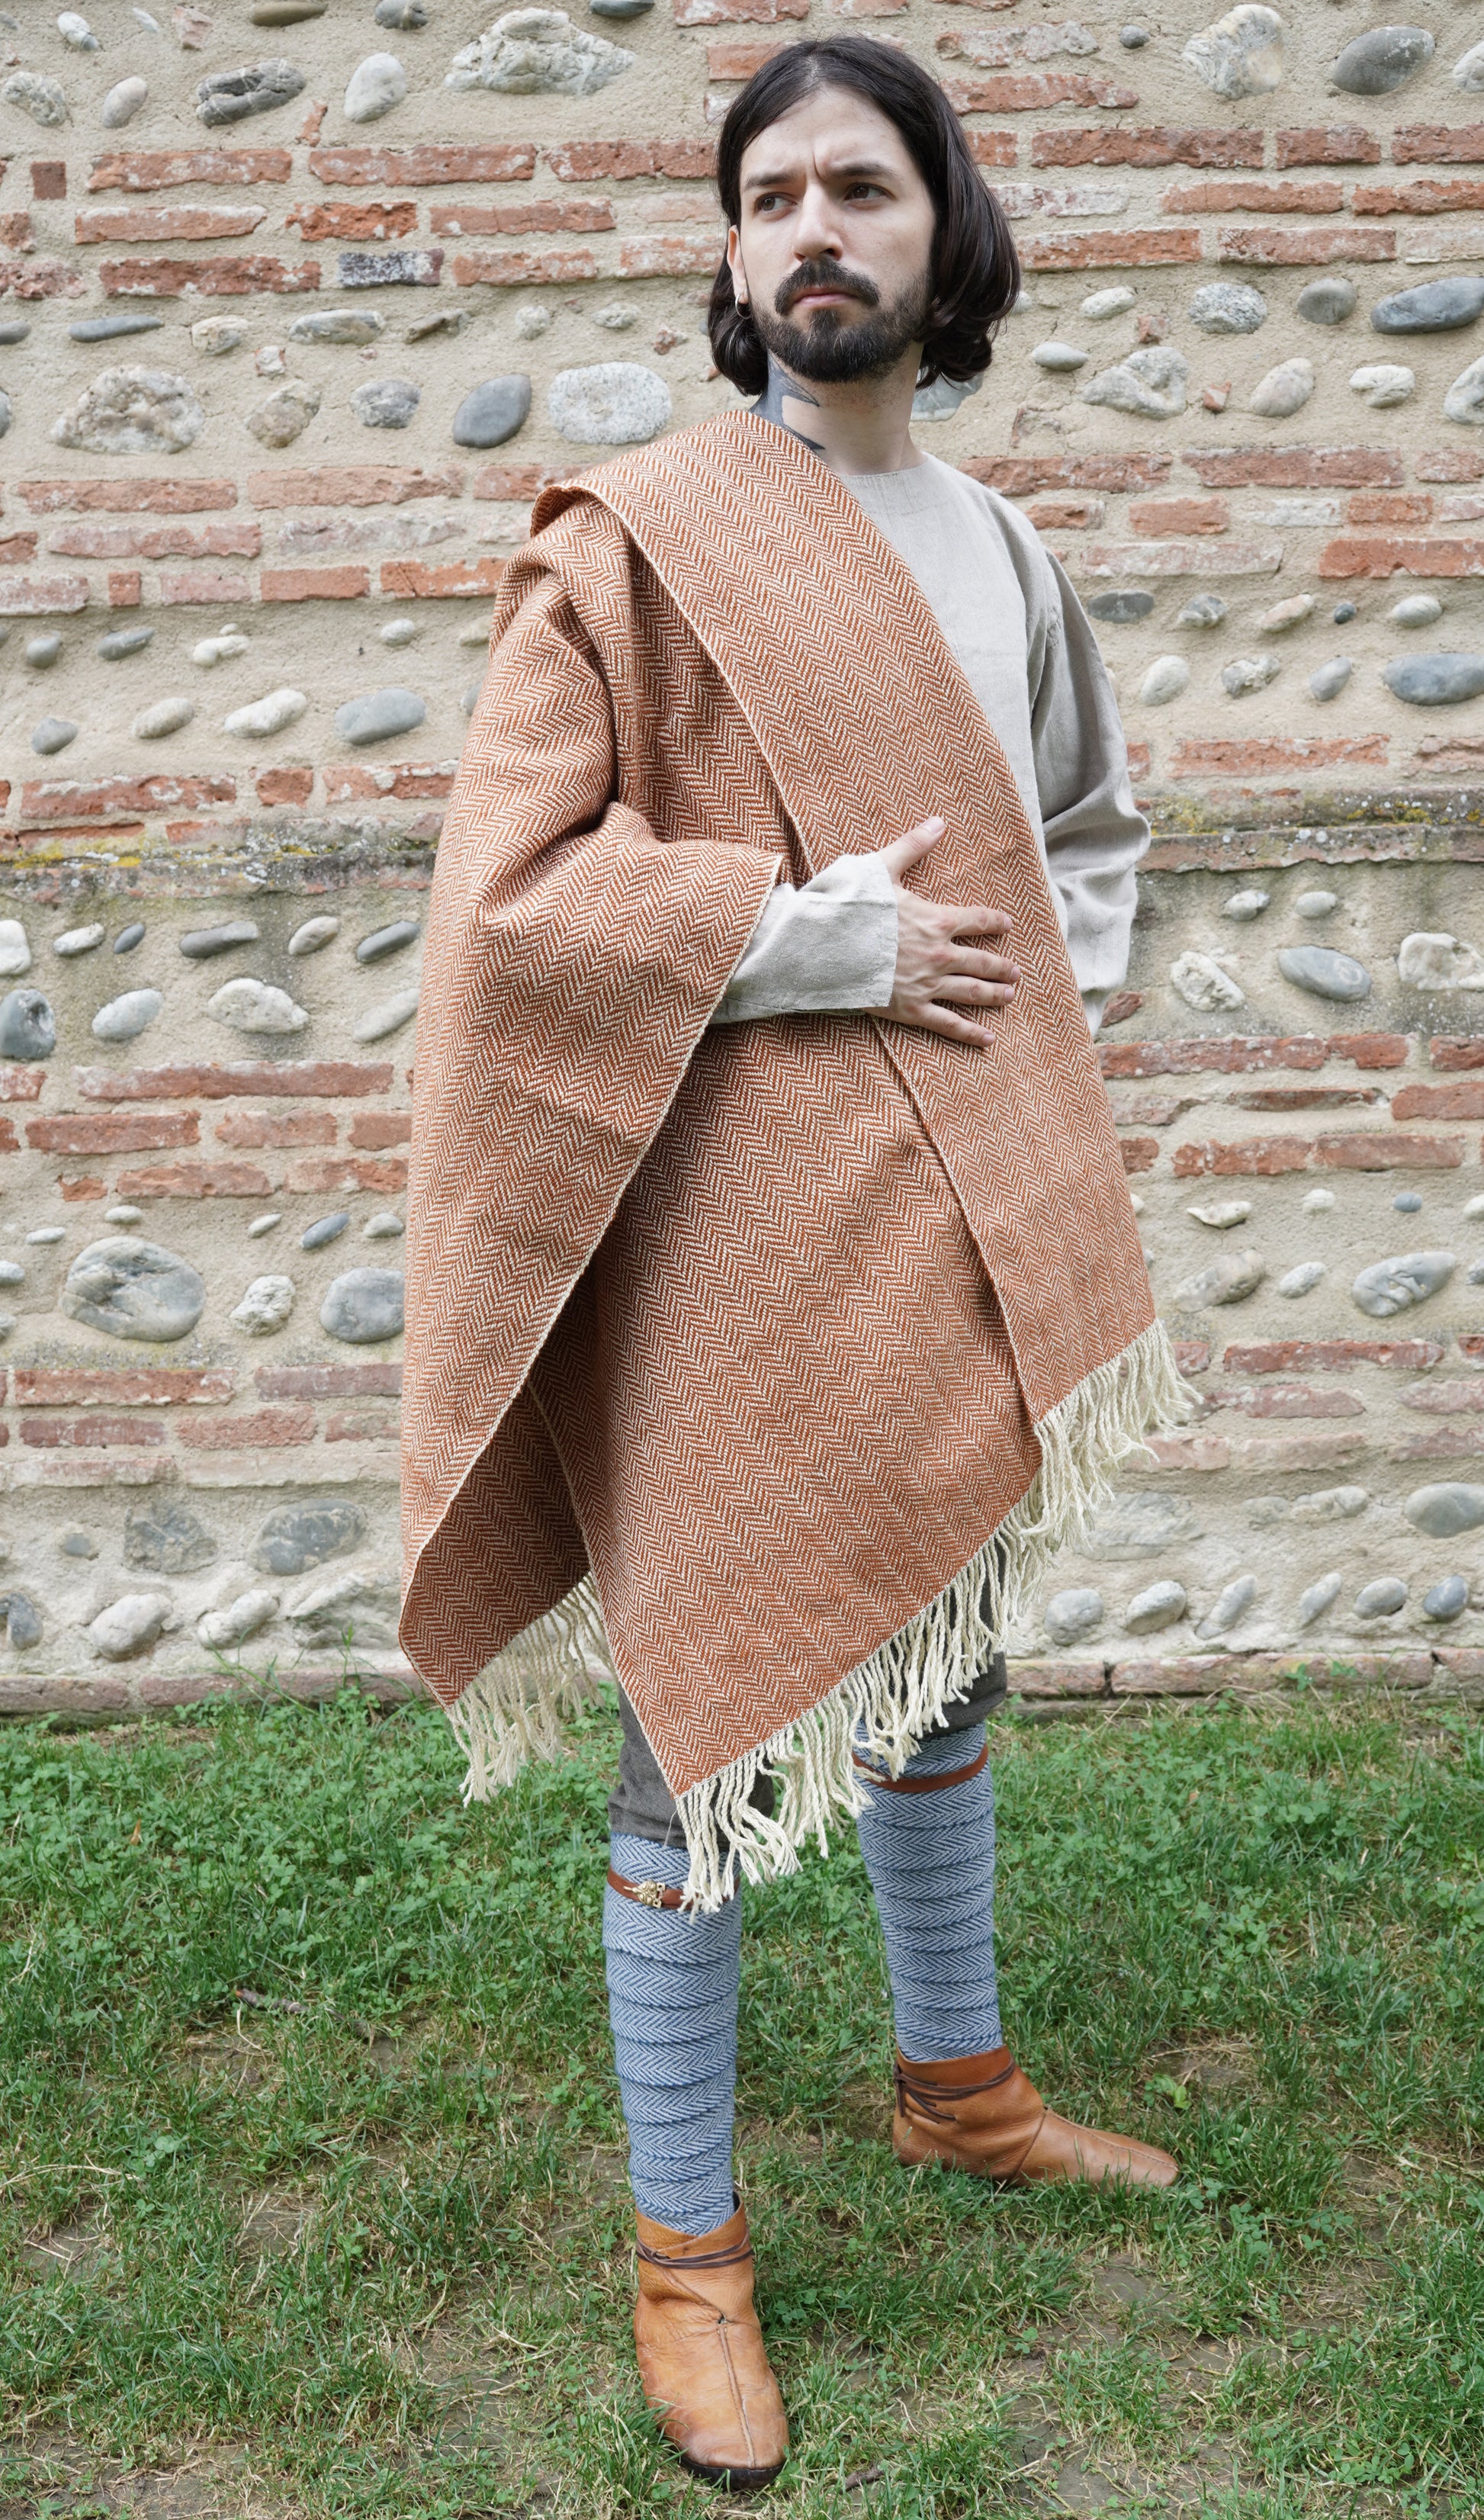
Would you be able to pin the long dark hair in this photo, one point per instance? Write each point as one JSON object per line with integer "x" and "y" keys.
{"x": 975, "y": 275}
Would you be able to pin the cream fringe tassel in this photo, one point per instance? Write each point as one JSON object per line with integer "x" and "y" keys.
{"x": 512, "y": 1709}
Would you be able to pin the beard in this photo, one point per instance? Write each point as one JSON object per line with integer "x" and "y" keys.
{"x": 827, "y": 351}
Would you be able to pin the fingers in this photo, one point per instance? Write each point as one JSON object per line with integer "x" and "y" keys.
{"x": 951, "y": 1027}
{"x": 959, "y": 963}
{"x": 975, "y": 919}
{"x": 912, "y": 845}
{"x": 961, "y": 992}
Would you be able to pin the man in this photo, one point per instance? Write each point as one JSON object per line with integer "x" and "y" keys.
{"x": 775, "y": 1305}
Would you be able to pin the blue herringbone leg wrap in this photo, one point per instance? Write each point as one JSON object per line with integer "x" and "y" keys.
{"x": 673, "y": 2001}
{"x": 932, "y": 1862}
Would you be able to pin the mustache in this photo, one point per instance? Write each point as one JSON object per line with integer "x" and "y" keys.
{"x": 825, "y": 273}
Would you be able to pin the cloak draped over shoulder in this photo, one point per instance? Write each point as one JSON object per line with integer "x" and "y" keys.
{"x": 770, "y": 1363}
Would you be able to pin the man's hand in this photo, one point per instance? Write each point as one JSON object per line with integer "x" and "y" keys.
{"x": 934, "y": 971}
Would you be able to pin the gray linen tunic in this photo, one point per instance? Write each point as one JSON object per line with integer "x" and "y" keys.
{"x": 1011, "y": 616}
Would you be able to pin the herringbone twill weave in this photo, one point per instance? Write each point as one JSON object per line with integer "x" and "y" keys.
{"x": 729, "y": 1352}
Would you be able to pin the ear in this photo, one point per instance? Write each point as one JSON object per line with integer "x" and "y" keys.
{"x": 734, "y": 265}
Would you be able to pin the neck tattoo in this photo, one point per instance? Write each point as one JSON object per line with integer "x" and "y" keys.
{"x": 788, "y": 403}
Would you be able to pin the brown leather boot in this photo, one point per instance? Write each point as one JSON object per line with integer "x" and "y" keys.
{"x": 701, "y": 2356}
{"x": 984, "y": 2115}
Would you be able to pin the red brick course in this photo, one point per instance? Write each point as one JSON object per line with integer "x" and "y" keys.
{"x": 667, "y": 257}
{"x": 1327, "y": 144}
{"x": 241, "y": 275}
{"x": 1239, "y": 1054}
{"x": 20, "y": 596}
{"x": 499, "y": 269}
{"x": 105, "y": 1132}
{"x": 154, "y": 1386}
{"x": 1410, "y": 556}
{"x": 211, "y": 1083}
{"x": 1249, "y": 193}
{"x": 240, "y": 540}
{"x": 1249, "y": 757}
{"x": 354, "y": 222}
{"x": 158, "y": 498}
{"x": 1159, "y": 517}
{"x": 1296, "y": 467}
{"x": 284, "y": 786}
{"x": 1272, "y": 247}
{"x": 434, "y": 162}
{"x": 380, "y": 1380}
{"x": 273, "y": 1428}
{"x": 1336, "y": 1355}
{"x": 110, "y": 800}
{"x": 519, "y": 218}
{"x": 1374, "y": 1151}
{"x": 1147, "y": 145}
{"x": 1456, "y": 1050}
{"x": 313, "y": 585}
{"x": 624, "y": 161}
{"x": 52, "y": 1433}
{"x": 1288, "y": 1400}
{"x": 153, "y": 170}
{"x": 275, "y": 1129}
{"x": 440, "y": 578}
{"x": 1438, "y": 144}
{"x": 1109, "y": 249}
{"x": 1033, "y": 91}
{"x": 164, "y": 225}
{"x": 195, "y": 1181}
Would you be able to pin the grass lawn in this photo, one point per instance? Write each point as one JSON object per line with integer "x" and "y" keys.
{"x": 361, "y": 2245}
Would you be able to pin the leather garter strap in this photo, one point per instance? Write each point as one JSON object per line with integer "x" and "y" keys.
{"x": 923, "y": 1784}
{"x": 925, "y": 2094}
{"x": 736, "y": 2256}
{"x": 648, "y": 1894}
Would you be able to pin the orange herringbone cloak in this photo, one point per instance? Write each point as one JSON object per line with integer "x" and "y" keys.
{"x": 731, "y": 1352}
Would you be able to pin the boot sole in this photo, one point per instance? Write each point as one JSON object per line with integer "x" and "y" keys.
{"x": 738, "y": 2480}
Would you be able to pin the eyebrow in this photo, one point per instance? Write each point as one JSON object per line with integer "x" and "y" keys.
{"x": 859, "y": 166}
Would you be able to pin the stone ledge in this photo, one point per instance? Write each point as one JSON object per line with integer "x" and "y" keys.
{"x": 116, "y": 1696}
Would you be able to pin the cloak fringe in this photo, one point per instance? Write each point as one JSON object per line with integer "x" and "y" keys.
{"x": 512, "y": 1709}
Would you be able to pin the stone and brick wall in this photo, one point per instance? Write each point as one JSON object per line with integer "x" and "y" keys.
{"x": 279, "y": 385}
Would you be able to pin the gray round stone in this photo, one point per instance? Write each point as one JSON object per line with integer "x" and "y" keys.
{"x": 1416, "y": 611}
{"x": 620, "y": 7}
{"x": 1344, "y": 612}
{"x": 43, "y": 99}
{"x": 129, "y": 937}
{"x": 383, "y": 941}
{"x": 1433, "y": 306}
{"x": 132, "y": 411}
{"x": 1324, "y": 972}
{"x": 404, "y": 16}
{"x": 1159, "y": 1605}
{"x": 1229, "y": 1606}
{"x": 133, "y": 1289}
{"x": 1227, "y": 1280}
{"x": 1133, "y": 38}
{"x": 1437, "y": 679}
{"x": 23, "y": 1621}
{"x": 1381, "y": 1599}
{"x": 375, "y": 716}
{"x": 494, "y": 410}
{"x": 1328, "y": 681}
{"x": 199, "y": 944}
{"x": 53, "y": 735}
{"x": 296, "y": 1537}
{"x": 388, "y": 402}
{"x": 1394, "y": 1285}
{"x": 325, "y": 1228}
{"x": 374, "y": 86}
{"x": 364, "y": 1305}
{"x": 1122, "y": 604}
{"x": 1316, "y": 1598}
{"x": 43, "y": 649}
{"x": 1228, "y": 306}
{"x": 616, "y": 403}
{"x": 1329, "y": 299}
{"x": 356, "y": 325}
{"x": 1448, "y": 1600}
{"x": 1382, "y": 59}
{"x": 165, "y": 1538}
{"x": 125, "y": 1018}
{"x": 1444, "y": 1510}
{"x": 229, "y": 96}
{"x": 110, "y": 328}
{"x": 28, "y": 1026}
{"x": 1073, "y": 1614}
{"x": 123, "y": 102}
{"x": 1203, "y": 613}
{"x": 1407, "y": 1202}
{"x": 124, "y": 643}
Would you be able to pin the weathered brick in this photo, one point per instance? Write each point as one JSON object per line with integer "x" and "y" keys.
{"x": 17, "y": 232}
{"x": 105, "y": 1133}
{"x": 1296, "y": 467}
{"x": 240, "y": 540}
{"x": 1445, "y": 1399}
{"x": 1272, "y": 248}
{"x": 419, "y": 577}
{"x": 22, "y": 1084}
{"x": 354, "y": 222}
{"x": 41, "y": 276}
{"x": 1182, "y": 560}
{"x": 1148, "y": 144}
{"x": 10, "y": 1144}
{"x": 1066, "y": 515}
{"x": 155, "y": 170}
{"x": 16, "y": 549}
{"x": 20, "y": 596}
{"x": 434, "y": 162}
{"x": 202, "y": 586}
{"x": 528, "y": 219}
{"x": 1249, "y": 193}
{"x": 353, "y": 486}
{"x": 1463, "y": 508}
{"x": 1456, "y": 1050}
{"x": 157, "y": 498}
{"x": 276, "y": 1129}
{"x": 195, "y": 1181}
{"x": 271, "y": 1429}
{"x": 697, "y": 206}
{"x": 148, "y": 1386}
{"x": 111, "y": 800}
{"x": 49, "y": 179}
{"x": 499, "y": 268}
{"x": 1327, "y": 144}
{"x": 1426, "y": 197}
{"x": 371, "y": 1129}
{"x": 519, "y": 481}
{"x": 51, "y": 1433}
{"x": 1093, "y": 201}
{"x": 1461, "y": 753}
{"x": 125, "y": 588}
{"x": 367, "y": 1428}
{"x": 1288, "y": 1400}
{"x": 1334, "y": 1355}
{"x": 1250, "y": 756}
{"x": 622, "y": 161}
{"x": 1178, "y": 1675}
{"x": 1438, "y": 144}
{"x": 237, "y": 275}
{"x": 379, "y": 1380}
{"x": 1405, "y": 554}
{"x": 1439, "y": 1102}
{"x": 313, "y": 585}
{"x": 1109, "y": 249}
{"x": 1389, "y": 508}
{"x": 74, "y": 1187}
{"x": 664, "y": 257}
{"x": 348, "y": 781}
{"x": 1036, "y": 1679}
{"x": 732, "y": 59}
{"x": 319, "y": 1174}
{"x": 1035, "y": 91}
{"x": 1448, "y": 464}
{"x": 284, "y": 786}
{"x": 1016, "y": 475}
{"x": 1438, "y": 1444}
{"x": 738, "y": 12}
{"x": 212, "y": 1082}
{"x": 1139, "y": 1153}
{"x": 1243, "y": 1054}
{"x": 1304, "y": 1098}
{"x": 1158, "y": 517}
{"x": 992, "y": 148}
{"x": 168, "y": 224}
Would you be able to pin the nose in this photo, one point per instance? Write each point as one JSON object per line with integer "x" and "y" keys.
{"x": 817, "y": 230}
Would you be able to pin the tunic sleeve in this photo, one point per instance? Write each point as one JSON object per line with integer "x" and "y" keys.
{"x": 1094, "y": 833}
{"x": 827, "y": 947}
